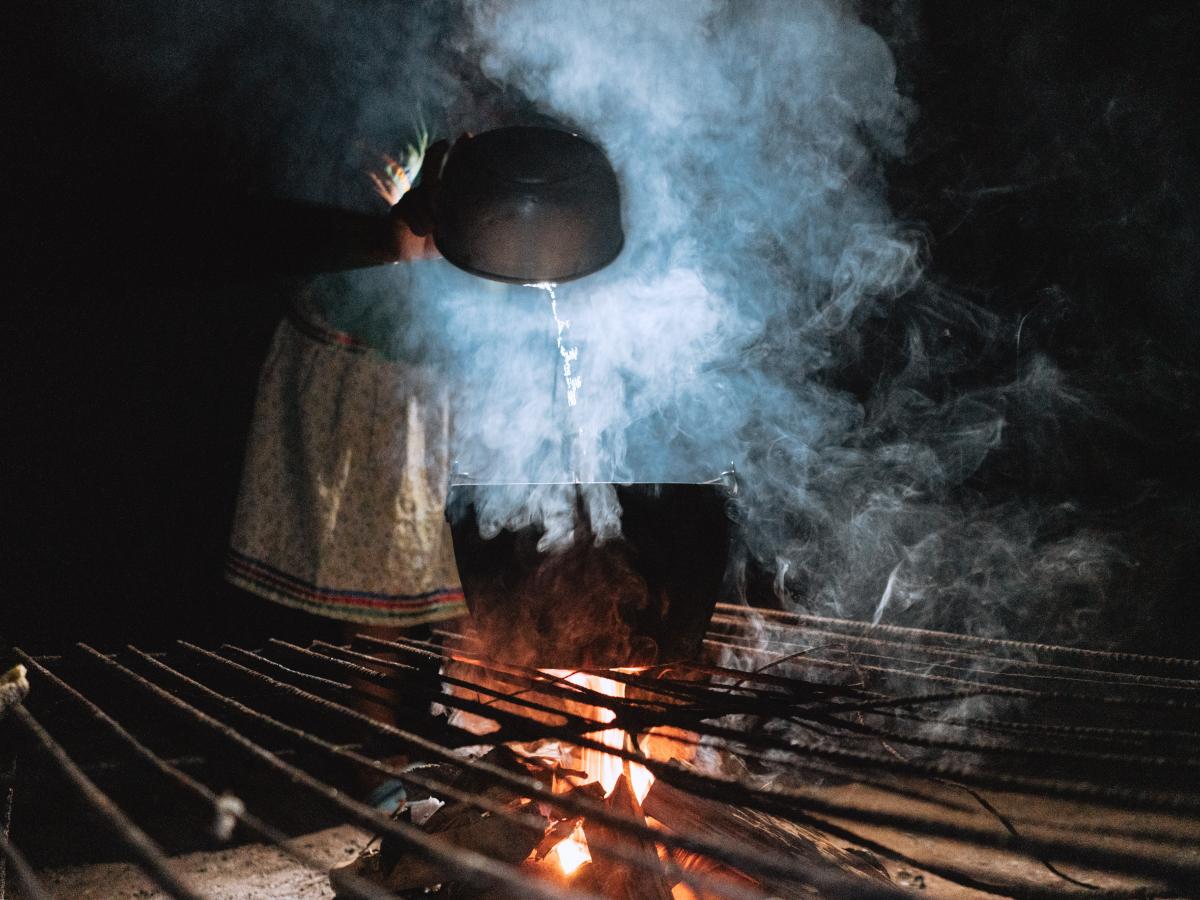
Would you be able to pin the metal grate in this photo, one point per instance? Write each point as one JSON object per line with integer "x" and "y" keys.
{"x": 1080, "y": 762}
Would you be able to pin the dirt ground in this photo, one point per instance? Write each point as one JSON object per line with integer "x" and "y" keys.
{"x": 249, "y": 872}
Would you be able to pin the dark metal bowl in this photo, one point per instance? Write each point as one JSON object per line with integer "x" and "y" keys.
{"x": 642, "y": 598}
{"x": 525, "y": 204}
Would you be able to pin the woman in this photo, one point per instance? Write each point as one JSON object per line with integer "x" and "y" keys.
{"x": 340, "y": 511}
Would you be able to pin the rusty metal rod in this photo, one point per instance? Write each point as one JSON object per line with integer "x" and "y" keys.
{"x": 703, "y": 703}
{"x": 356, "y": 664}
{"x": 1038, "y": 752}
{"x": 314, "y": 681}
{"x": 467, "y": 863}
{"x": 28, "y": 881}
{"x": 795, "y": 804}
{"x": 1116, "y": 658}
{"x": 1016, "y": 661}
{"x": 855, "y": 760}
{"x": 447, "y": 791}
{"x": 746, "y": 753}
{"x": 1058, "y": 735}
{"x": 148, "y": 855}
{"x": 11, "y": 857}
{"x": 957, "y": 746}
{"x": 523, "y": 676}
{"x": 776, "y": 681}
{"x": 6, "y": 819}
{"x": 1075, "y": 675}
{"x": 521, "y": 727}
{"x": 435, "y": 786}
{"x": 1141, "y": 798}
{"x": 737, "y": 857}
{"x": 1003, "y": 690}
{"x": 207, "y": 798}
{"x": 1136, "y": 736}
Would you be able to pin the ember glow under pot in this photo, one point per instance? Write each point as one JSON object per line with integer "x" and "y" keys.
{"x": 641, "y": 598}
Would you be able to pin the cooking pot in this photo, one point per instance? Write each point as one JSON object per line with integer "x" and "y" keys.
{"x": 641, "y": 597}
{"x": 527, "y": 204}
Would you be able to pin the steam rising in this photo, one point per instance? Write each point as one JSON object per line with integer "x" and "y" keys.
{"x": 761, "y": 266}
{"x": 750, "y": 139}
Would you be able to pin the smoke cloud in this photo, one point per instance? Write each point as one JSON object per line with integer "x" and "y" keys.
{"x": 751, "y": 140}
{"x": 770, "y": 311}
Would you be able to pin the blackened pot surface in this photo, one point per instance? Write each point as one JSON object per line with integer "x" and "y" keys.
{"x": 524, "y": 204}
{"x": 643, "y": 597}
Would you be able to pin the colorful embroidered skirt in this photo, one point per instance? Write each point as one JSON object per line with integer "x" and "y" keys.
{"x": 341, "y": 505}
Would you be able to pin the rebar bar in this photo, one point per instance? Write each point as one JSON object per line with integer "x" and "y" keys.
{"x": 1118, "y": 736}
{"x": 1116, "y": 658}
{"x": 209, "y": 799}
{"x": 470, "y": 865}
{"x": 148, "y": 855}
{"x": 528, "y": 787}
{"x": 960, "y": 653}
{"x": 797, "y": 804}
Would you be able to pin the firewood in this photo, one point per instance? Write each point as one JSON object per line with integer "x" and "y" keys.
{"x": 616, "y": 878}
{"x": 397, "y": 868}
{"x": 690, "y": 814}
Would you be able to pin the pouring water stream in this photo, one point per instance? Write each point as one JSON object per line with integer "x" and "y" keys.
{"x": 573, "y": 438}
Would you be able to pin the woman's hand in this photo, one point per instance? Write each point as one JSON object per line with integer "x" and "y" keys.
{"x": 413, "y": 216}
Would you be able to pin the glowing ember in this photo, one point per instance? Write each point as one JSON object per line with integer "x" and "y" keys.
{"x": 571, "y": 852}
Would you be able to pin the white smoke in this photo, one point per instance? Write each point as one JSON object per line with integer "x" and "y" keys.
{"x": 750, "y": 139}
{"x": 762, "y": 266}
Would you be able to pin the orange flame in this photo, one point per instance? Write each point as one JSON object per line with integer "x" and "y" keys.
{"x": 606, "y": 768}
{"x": 571, "y": 852}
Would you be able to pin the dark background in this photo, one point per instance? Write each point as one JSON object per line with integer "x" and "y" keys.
{"x": 1053, "y": 166}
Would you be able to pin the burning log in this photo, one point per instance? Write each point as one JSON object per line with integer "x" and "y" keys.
{"x": 611, "y": 877}
{"x": 396, "y": 867}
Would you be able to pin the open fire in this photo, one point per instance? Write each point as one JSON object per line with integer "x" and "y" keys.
{"x": 817, "y": 762}
{"x": 572, "y": 852}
